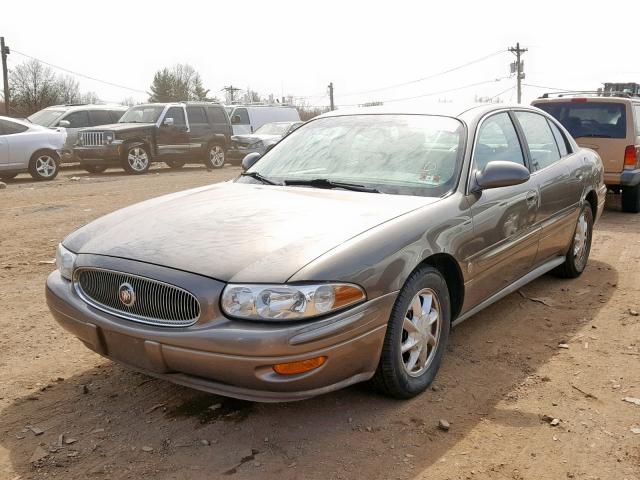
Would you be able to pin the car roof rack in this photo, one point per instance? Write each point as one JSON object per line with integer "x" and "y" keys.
{"x": 589, "y": 93}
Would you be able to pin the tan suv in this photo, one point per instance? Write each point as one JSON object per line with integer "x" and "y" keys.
{"x": 608, "y": 123}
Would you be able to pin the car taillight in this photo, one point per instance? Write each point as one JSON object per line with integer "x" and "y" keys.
{"x": 630, "y": 156}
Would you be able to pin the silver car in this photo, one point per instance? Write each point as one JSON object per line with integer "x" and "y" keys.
{"x": 25, "y": 147}
{"x": 344, "y": 254}
{"x": 263, "y": 138}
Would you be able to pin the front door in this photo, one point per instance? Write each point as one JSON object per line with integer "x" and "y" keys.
{"x": 173, "y": 134}
{"x": 558, "y": 173}
{"x": 505, "y": 237}
{"x": 77, "y": 120}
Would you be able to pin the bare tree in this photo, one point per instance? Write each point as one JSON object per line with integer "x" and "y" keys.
{"x": 68, "y": 90}
{"x": 33, "y": 87}
{"x": 90, "y": 97}
{"x": 128, "y": 102}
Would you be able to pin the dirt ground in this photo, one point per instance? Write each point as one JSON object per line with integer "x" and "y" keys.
{"x": 565, "y": 350}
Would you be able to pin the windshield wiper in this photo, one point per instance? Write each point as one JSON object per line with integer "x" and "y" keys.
{"x": 326, "y": 183}
{"x": 260, "y": 177}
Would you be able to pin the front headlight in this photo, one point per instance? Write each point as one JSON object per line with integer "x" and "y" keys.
{"x": 288, "y": 302}
{"x": 65, "y": 261}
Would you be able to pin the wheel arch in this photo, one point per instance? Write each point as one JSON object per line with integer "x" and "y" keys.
{"x": 138, "y": 142}
{"x": 592, "y": 198}
{"x": 448, "y": 266}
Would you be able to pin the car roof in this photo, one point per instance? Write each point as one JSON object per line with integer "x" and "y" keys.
{"x": 454, "y": 110}
{"x": 87, "y": 106}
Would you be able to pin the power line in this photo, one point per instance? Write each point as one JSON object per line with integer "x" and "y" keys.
{"x": 428, "y": 77}
{"x": 502, "y": 93}
{"x": 80, "y": 74}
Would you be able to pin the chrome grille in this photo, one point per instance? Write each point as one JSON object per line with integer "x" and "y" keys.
{"x": 156, "y": 303}
{"x": 92, "y": 139}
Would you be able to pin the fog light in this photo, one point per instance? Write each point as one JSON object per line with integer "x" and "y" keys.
{"x": 302, "y": 366}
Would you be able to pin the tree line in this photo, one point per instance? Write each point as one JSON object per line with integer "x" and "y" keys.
{"x": 34, "y": 86}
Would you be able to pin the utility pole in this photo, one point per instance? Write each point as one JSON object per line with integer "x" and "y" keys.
{"x": 5, "y": 75}
{"x": 231, "y": 90}
{"x": 517, "y": 68}
{"x": 332, "y": 105}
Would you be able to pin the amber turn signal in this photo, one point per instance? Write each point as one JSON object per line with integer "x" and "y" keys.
{"x": 302, "y": 366}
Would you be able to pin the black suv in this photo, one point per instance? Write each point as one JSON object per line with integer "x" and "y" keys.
{"x": 174, "y": 133}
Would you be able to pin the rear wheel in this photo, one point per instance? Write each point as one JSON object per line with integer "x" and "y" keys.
{"x": 175, "y": 164}
{"x": 136, "y": 160}
{"x": 416, "y": 335}
{"x": 578, "y": 254}
{"x": 44, "y": 165}
{"x": 216, "y": 157}
{"x": 631, "y": 199}
{"x": 94, "y": 168}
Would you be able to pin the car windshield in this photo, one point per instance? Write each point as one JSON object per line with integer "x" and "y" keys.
{"x": 590, "y": 119}
{"x": 273, "y": 129}
{"x": 397, "y": 154}
{"x": 46, "y": 118}
{"x": 142, "y": 114}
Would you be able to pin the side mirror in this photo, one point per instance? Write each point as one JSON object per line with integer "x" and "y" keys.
{"x": 499, "y": 173}
{"x": 235, "y": 120}
{"x": 64, "y": 123}
{"x": 249, "y": 160}
{"x": 168, "y": 122}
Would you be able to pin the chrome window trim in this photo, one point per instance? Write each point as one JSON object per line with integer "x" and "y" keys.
{"x": 156, "y": 322}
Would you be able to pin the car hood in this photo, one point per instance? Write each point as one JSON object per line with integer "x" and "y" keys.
{"x": 120, "y": 127}
{"x": 238, "y": 232}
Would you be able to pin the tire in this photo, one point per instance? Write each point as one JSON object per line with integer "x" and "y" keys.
{"x": 631, "y": 199}
{"x": 94, "y": 168}
{"x": 8, "y": 176}
{"x": 136, "y": 159}
{"x": 216, "y": 156}
{"x": 395, "y": 375}
{"x": 578, "y": 253}
{"x": 44, "y": 165}
{"x": 175, "y": 164}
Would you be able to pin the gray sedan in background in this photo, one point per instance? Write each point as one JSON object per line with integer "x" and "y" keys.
{"x": 263, "y": 138}
{"x": 344, "y": 254}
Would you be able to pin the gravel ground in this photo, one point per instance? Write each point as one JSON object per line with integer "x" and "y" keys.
{"x": 532, "y": 387}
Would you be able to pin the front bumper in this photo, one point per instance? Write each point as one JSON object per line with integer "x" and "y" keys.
{"x": 230, "y": 357}
{"x": 99, "y": 155}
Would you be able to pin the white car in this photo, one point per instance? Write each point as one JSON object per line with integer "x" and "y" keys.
{"x": 26, "y": 147}
{"x": 246, "y": 119}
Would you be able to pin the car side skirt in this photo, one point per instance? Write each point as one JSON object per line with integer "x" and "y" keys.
{"x": 521, "y": 282}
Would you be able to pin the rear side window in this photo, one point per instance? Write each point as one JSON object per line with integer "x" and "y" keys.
{"x": 590, "y": 119}
{"x": 99, "y": 117}
{"x": 540, "y": 140}
{"x": 78, "y": 119}
{"x": 497, "y": 140}
{"x": 10, "y": 128}
{"x": 216, "y": 115}
{"x": 196, "y": 115}
{"x": 561, "y": 141}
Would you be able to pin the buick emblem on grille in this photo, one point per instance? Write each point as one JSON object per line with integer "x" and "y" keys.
{"x": 127, "y": 294}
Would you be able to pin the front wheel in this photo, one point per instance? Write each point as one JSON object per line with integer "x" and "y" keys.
{"x": 416, "y": 335}
{"x": 631, "y": 199}
{"x": 44, "y": 165}
{"x": 136, "y": 160}
{"x": 578, "y": 254}
{"x": 216, "y": 157}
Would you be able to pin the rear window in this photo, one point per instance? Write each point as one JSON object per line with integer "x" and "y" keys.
{"x": 590, "y": 119}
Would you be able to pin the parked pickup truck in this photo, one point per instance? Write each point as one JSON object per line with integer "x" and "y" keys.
{"x": 173, "y": 133}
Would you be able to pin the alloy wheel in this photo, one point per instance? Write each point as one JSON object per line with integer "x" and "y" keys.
{"x": 46, "y": 166}
{"x": 421, "y": 332}
{"x": 216, "y": 156}
{"x": 580, "y": 240}
{"x": 138, "y": 159}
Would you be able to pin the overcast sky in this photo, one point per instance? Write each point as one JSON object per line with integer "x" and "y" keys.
{"x": 298, "y": 47}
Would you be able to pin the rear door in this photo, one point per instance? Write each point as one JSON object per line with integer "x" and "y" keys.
{"x": 600, "y": 125}
{"x": 173, "y": 140}
{"x": 558, "y": 173}
{"x": 200, "y": 131}
{"x": 506, "y": 239}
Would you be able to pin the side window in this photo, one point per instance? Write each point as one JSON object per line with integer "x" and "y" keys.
{"x": 243, "y": 114}
{"x": 497, "y": 140}
{"x": 636, "y": 111}
{"x": 77, "y": 119}
{"x": 10, "y": 128}
{"x": 116, "y": 115}
{"x": 177, "y": 113}
{"x": 561, "y": 140}
{"x": 196, "y": 115}
{"x": 99, "y": 117}
{"x": 216, "y": 115}
{"x": 540, "y": 139}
